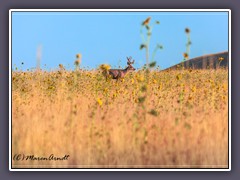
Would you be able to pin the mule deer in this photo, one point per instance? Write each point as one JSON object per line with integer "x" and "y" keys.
{"x": 120, "y": 73}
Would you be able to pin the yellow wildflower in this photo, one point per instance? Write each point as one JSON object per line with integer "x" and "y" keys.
{"x": 77, "y": 62}
{"x": 146, "y": 22}
{"x": 78, "y": 56}
{"x": 194, "y": 89}
{"x": 99, "y": 101}
{"x": 141, "y": 78}
{"x": 185, "y": 55}
{"x": 104, "y": 67}
{"x": 187, "y": 30}
{"x": 220, "y": 58}
{"x": 179, "y": 77}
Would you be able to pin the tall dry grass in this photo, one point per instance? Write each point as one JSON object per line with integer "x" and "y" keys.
{"x": 183, "y": 122}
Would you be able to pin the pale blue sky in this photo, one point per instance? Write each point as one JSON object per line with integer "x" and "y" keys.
{"x": 108, "y": 37}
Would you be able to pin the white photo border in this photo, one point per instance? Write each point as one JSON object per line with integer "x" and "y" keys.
{"x": 119, "y": 169}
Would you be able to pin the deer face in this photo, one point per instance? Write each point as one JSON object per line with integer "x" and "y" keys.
{"x": 131, "y": 68}
{"x": 129, "y": 63}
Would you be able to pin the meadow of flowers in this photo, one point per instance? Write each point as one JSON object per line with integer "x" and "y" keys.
{"x": 163, "y": 119}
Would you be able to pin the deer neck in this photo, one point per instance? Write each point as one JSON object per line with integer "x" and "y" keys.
{"x": 125, "y": 71}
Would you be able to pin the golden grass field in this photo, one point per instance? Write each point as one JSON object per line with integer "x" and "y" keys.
{"x": 172, "y": 119}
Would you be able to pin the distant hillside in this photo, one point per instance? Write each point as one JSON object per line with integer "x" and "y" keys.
{"x": 210, "y": 61}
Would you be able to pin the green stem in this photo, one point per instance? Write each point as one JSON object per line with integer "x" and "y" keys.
{"x": 147, "y": 55}
{"x": 141, "y": 33}
{"x": 154, "y": 52}
{"x": 188, "y": 45}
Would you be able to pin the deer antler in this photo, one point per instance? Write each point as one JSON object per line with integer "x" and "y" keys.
{"x": 129, "y": 60}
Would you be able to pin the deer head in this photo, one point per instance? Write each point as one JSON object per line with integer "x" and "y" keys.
{"x": 129, "y": 63}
